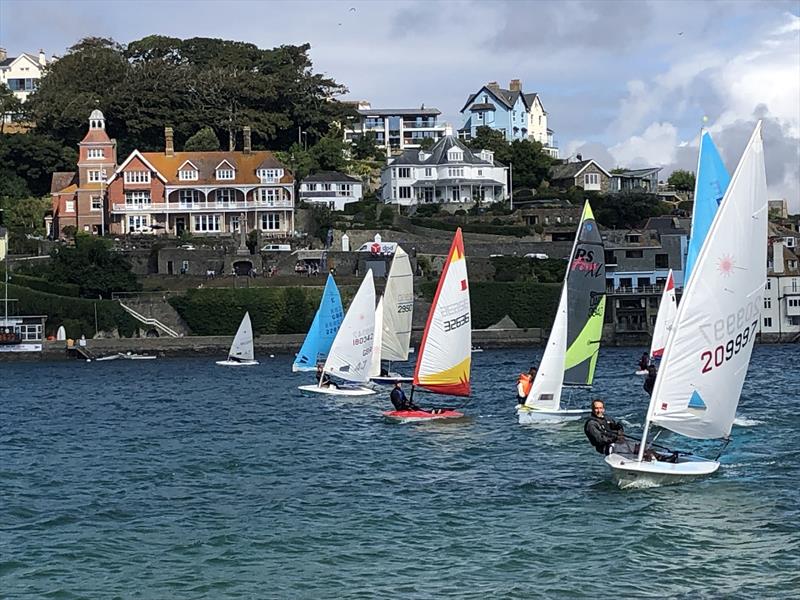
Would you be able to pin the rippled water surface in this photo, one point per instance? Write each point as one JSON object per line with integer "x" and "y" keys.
{"x": 180, "y": 479}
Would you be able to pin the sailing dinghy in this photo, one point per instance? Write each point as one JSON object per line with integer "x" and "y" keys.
{"x": 323, "y": 329}
{"x": 350, "y": 356}
{"x": 443, "y": 364}
{"x": 241, "y": 353}
{"x": 397, "y": 310}
{"x": 666, "y": 317}
{"x": 708, "y": 350}
{"x": 570, "y": 356}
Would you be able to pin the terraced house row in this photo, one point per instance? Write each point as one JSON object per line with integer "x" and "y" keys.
{"x": 204, "y": 193}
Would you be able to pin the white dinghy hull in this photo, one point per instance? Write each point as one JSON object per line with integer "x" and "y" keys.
{"x": 389, "y": 379}
{"x": 340, "y": 391}
{"x": 532, "y": 416}
{"x": 237, "y": 363}
{"x": 629, "y": 473}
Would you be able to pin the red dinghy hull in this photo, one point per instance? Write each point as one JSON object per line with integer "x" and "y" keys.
{"x": 407, "y": 416}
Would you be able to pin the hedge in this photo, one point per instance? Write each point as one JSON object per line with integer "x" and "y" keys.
{"x": 528, "y": 304}
{"x": 508, "y": 230}
{"x": 76, "y": 314}
{"x": 37, "y": 283}
{"x": 272, "y": 310}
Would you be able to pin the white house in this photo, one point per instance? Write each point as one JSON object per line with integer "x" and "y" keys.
{"x": 21, "y": 74}
{"x": 331, "y": 189}
{"x": 396, "y": 129}
{"x": 780, "y": 317}
{"x": 448, "y": 172}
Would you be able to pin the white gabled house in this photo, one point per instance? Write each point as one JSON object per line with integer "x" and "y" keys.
{"x": 331, "y": 189}
{"x": 448, "y": 172}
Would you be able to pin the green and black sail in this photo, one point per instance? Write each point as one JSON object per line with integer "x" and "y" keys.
{"x": 586, "y": 294}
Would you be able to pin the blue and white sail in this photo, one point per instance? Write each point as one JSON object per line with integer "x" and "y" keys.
{"x": 710, "y": 186}
{"x": 323, "y": 330}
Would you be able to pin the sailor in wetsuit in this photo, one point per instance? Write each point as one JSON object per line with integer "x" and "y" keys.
{"x": 650, "y": 380}
{"x": 399, "y": 400}
{"x": 323, "y": 379}
{"x": 601, "y": 430}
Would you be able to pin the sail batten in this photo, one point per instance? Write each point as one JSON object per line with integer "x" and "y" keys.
{"x": 443, "y": 365}
{"x": 323, "y": 329}
{"x": 708, "y": 350}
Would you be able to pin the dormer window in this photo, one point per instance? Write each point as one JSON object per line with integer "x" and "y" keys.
{"x": 187, "y": 174}
{"x": 225, "y": 171}
{"x": 95, "y": 153}
{"x": 455, "y": 155}
{"x": 270, "y": 175}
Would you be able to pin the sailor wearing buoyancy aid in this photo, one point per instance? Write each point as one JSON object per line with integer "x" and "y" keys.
{"x": 524, "y": 384}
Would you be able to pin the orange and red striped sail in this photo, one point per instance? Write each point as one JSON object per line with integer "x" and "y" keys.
{"x": 446, "y": 350}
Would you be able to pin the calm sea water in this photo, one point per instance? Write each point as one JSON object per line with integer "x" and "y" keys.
{"x": 179, "y": 479}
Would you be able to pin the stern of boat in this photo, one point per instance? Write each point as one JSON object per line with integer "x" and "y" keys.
{"x": 628, "y": 472}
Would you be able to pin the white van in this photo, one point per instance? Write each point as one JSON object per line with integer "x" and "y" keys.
{"x": 537, "y": 255}
{"x": 277, "y": 248}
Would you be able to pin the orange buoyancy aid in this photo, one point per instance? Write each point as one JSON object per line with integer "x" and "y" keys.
{"x": 524, "y": 384}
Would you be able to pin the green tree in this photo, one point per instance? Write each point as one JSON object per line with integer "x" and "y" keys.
{"x": 28, "y": 160}
{"x": 328, "y": 154}
{"x": 9, "y": 105}
{"x": 365, "y": 147}
{"x": 92, "y": 265}
{"x": 426, "y": 143}
{"x": 626, "y": 210}
{"x": 25, "y": 215}
{"x": 204, "y": 140}
{"x": 682, "y": 180}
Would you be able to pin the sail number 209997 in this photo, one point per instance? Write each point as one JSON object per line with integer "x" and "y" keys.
{"x": 729, "y": 349}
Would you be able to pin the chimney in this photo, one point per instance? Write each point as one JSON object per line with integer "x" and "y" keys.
{"x": 515, "y": 85}
{"x": 3, "y": 54}
{"x": 169, "y": 143}
{"x": 578, "y": 157}
{"x": 492, "y": 85}
{"x": 247, "y": 143}
{"x": 42, "y": 58}
{"x": 777, "y": 257}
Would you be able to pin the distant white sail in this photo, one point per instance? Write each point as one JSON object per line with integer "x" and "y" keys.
{"x": 398, "y": 307}
{"x": 375, "y": 369}
{"x": 242, "y": 346}
{"x": 350, "y": 356}
{"x": 665, "y": 319}
{"x": 707, "y": 354}
{"x": 545, "y": 392}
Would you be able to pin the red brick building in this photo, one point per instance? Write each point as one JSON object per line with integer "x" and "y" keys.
{"x": 78, "y": 196}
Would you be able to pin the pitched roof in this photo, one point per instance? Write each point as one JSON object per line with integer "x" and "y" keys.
{"x": 96, "y": 136}
{"x": 246, "y": 166}
{"x": 633, "y": 173}
{"x": 330, "y": 176}
{"x": 61, "y": 179}
{"x": 437, "y": 155}
{"x": 506, "y": 97}
{"x": 667, "y": 225}
{"x": 571, "y": 170}
{"x": 377, "y": 112}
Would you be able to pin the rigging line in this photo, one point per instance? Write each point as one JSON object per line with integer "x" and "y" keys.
{"x": 722, "y": 449}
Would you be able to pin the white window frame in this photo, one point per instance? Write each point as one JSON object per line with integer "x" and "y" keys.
{"x": 428, "y": 172}
{"x": 345, "y": 189}
{"x": 268, "y": 196}
{"x": 96, "y": 203}
{"x": 455, "y": 171}
{"x": 226, "y": 174}
{"x": 767, "y": 321}
{"x": 137, "y": 176}
{"x": 69, "y": 206}
{"x": 96, "y": 175}
{"x": 455, "y": 155}
{"x": 138, "y": 222}
{"x": 270, "y": 221}
{"x": 207, "y": 223}
{"x": 270, "y": 175}
{"x": 228, "y": 196}
{"x": 404, "y": 192}
{"x": 404, "y": 172}
{"x": 188, "y": 197}
{"x": 188, "y": 175}
{"x": 767, "y": 302}
{"x": 138, "y": 198}
{"x": 95, "y": 154}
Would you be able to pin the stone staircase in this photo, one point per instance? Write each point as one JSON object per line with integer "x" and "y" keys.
{"x": 154, "y": 312}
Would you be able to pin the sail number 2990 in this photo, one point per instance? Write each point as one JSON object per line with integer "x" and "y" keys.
{"x": 728, "y": 350}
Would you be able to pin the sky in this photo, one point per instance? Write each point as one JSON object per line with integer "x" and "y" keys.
{"x": 626, "y": 82}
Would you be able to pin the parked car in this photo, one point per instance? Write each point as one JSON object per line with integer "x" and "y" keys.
{"x": 537, "y": 255}
{"x": 276, "y": 248}
{"x": 187, "y": 247}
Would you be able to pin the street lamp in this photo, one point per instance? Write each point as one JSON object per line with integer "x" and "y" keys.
{"x": 305, "y": 140}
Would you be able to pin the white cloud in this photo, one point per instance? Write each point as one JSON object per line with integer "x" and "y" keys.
{"x": 654, "y": 147}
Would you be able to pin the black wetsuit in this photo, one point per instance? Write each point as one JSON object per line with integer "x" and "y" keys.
{"x": 650, "y": 382}
{"x": 601, "y": 432}
{"x": 400, "y": 402}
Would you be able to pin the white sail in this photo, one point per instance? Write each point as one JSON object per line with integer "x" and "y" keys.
{"x": 445, "y": 355}
{"x": 708, "y": 351}
{"x": 398, "y": 308}
{"x": 545, "y": 392}
{"x": 242, "y": 346}
{"x": 350, "y": 356}
{"x": 665, "y": 319}
{"x": 375, "y": 369}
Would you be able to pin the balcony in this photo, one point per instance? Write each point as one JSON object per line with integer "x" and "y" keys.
{"x": 789, "y": 290}
{"x": 629, "y": 291}
{"x": 173, "y": 207}
{"x": 420, "y": 125}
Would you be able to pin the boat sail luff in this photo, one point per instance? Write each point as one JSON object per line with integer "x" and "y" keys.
{"x": 667, "y": 309}
{"x": 443, "y": 364}
{"x": 323, "y": 329}
{"x": 242, "y": 345}
{"x": 375, "y": 369}
{"x": 708, "y": 350}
